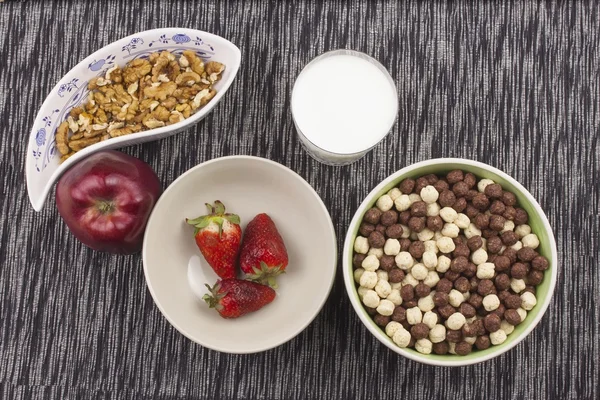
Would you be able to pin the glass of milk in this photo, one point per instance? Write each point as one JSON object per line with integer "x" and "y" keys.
{"x": 343, "y": 104}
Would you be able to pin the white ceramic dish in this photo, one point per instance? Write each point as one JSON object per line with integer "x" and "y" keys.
{"x": 176, "y": 272}
{"x": 537, "y": 220}
{"x": 42, "y": 164}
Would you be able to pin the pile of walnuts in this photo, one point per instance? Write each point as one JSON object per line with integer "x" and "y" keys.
{"x": 148, "y": 93}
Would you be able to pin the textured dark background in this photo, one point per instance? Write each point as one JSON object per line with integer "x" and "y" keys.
{"x": 512, "y": 84}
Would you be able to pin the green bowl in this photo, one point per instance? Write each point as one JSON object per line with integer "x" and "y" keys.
{"x": 539, "y": 225}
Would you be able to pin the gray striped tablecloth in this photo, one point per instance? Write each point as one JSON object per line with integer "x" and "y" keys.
{"x": 512, "y": 84}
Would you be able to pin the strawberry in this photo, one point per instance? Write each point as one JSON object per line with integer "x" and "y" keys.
{"x": 218, "y": 237}
{"x": 263, "y": 255}
{"x": 233, "y": 298}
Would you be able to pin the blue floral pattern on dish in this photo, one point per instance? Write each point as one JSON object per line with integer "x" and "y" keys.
{"x": 132, "y": 45}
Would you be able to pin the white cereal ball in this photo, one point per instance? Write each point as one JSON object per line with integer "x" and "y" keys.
{"x": 414, "y": 315}
{"x": 386, "y": 308}
{"x": 448, "y": 214}
{"x": 484, "y": 244}
{"x": 395, "y": 297}
{"x": 370, "y": 299}
{"x": 531, "y": 241}
{"x": 466, "y": 295}
{"x": 419, "y": 272}
{"x": 479, "y": 256}
{"x": 517, "y": 246}
{"x": 452, "y": 348}
{"x": 391, "y": 247}
{"x": 357, "y": 274}
{"x": 455, "y": 298}
{"x": 430, "y": 245}
{"x": 431, "y": 279}
{"x": 437, "y": 334}
{"x": 361, "y": 245}
{"x": 508, "y": 226}
{"x": 401, "y": 337}
{"x": 425, "y": 235}
{"x": 470, "y": 339}
{"x": 506, "y": 327}
{"x": 486, "y": 270}
{"x": 429, "y": 194}
{"x": 397, "y": 286}
{"x": 482, "y": 184}
{"x": 402, "y": 203}
{"x": 410, "y": 280}
{"x": 517, "y": 285}
{"x": 394, "y": 193}
{"x": 430, "y": 319}
{"x": 443, "y": 264}
{"x": 414, "y": 198}
{"x": 405, "y": 232}
{"x": 456, "y": 321}
{"x": 433, "y": 210}
{"x": 429, "y": 259}
{"x": 382, "y": 275}
{"x": 471, "y": 231}
{"x": 404, "y": 260}
{"x": 423, "y": 346}
{"x": 385, "y": 203}
{"x": 392, "y": 327}
{"x": 462, "y": 221}
{"x": 375, "y": 252}
{"x": 450, "y": 230}
{"x": 370, "y": 263}
{"x": 528, "y": 301}
{"x": 361, "y": 291}
{"x": 368, "y": 279}
{"x": 498, "y": 337}
{"x": 383, "y": 289}
{"x": 425, "y": 303}
{"x": 491, "y": 302}
{"x": 522, "y": 313}
{"x": 522, "y": 230}
{"x": 446, "y": 245}
{"x": 437, "y": 235}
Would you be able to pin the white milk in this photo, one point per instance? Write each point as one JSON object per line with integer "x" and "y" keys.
{"x": 343, "y": 104}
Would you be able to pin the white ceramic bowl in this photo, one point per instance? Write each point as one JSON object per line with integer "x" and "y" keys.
{"x": 42, "y": 163}
{"x": 176, "y": 271}
{"x": 537, "y": 220}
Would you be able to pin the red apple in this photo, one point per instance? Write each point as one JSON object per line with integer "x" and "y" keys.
{"x": 106, "y": 200}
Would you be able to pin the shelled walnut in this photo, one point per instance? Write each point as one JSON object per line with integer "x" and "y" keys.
{"x": 147, "y": 93}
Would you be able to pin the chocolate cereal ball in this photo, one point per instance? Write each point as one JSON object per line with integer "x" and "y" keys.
{"x": 366, "y": 228}
{"x": 513, "y": 301}
{"x": 518, "y": 270}
{"x": 483, "y": 342}
{"x": 444, "y": 285}
{"x": 399, "y": 314}
{"x": 446, "y": 311}
{"x": 389, "y": 217}
{"x": 492, "y": 322}
{"x": 376, "y": 239}
{"x": 474, "y": 242}
{"x": 482, "y": 221}
{"x": 446, "y": 198}
{"x": 455, "y": 176}
{"x": 462, "y": 284}
{"x": 459, "y": 205}
{"x": 381, "y": 320}
{"x": 417, "y": 224}
{"x": 512, "y": 317}
{"x": 441, "y": 348}
{"x": 502, "y": 281}
{"x": 387, "y": 263}
{"x": 454, "y": 336}
{"x": 494, "y": 245}
{"x": 493, "y": 191}
{"x": 467, "y": 310}
{"x": 540, "y": 263}
{"x": 509, "y": 213}
{"x": 461, "y": 250}
{"x": 396, "y": 275}
{"x": 441, "y": 185}
{"x": 418, "y": 209}
{"x": 463, "y": 348}
{"x": 497, "y": 207}
{"x": 372, "y": 215}
{"x": 509, "y": 198}
{"x": 526, "y": 254}
{"x": 407, "y": 186}
{"x": 416, "y": 249}
{"x": 422, "y": 290}
{"x": 497, "y": 222}
{"x": 521, "y": 216}
{"x": 419, "y": 331}
{"x": 471, "y": 211}
{"x": 404, "y": 244}
{"x": 435, "y": 223}
{"x": 404, "y": 217}
{"x": 535, "y": 277}
{"x": 485, "y": 287}
{"x": 407, "y": 293}
{"x": 460, "y": 189}
{"x": 510, "y": 253}
{"x": 440, "y": 299}
{"x": 357, "y": 260}
{"x": 394, "y": 231}
{"x": 509, "y": 238}
{"x": 481, "y": 202}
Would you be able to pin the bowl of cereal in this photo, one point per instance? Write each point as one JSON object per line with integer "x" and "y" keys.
{"x": 450, "y": 262}
{"x": 144, "y": 87}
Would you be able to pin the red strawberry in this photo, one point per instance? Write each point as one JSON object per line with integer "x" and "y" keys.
{"x": 263, "y": 255}
{"x": 218, "y": 237}
{"x": 233, "y": 298}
